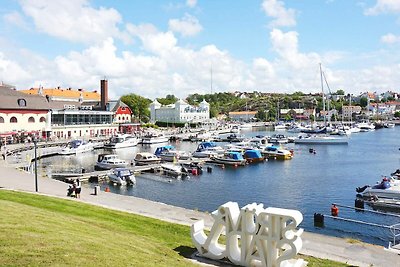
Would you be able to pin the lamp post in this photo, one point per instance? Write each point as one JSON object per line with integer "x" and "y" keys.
{"x": 36, "y": 180}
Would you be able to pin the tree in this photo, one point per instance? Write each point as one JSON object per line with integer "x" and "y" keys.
{"x": 363, "y": 102}
{"x": 340, "y": 92}
{"x": 261, "y": 115}
{"x": 139, "y": 106}
{"x": 169, "y": 99}
{"x": 397, "y": 114}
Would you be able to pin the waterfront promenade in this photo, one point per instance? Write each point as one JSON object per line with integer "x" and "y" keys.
{"x": 320, "y": 246}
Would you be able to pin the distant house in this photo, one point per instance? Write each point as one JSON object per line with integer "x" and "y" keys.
{"x": 348, "y": 111}
{"x": 242, "y": 115}
{"x": 295, "y": 113}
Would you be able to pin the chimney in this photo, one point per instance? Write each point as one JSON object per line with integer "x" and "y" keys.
{"x": 104, "y": 93}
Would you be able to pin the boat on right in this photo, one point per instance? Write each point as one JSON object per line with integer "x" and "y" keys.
{"x": 321, "y": 139}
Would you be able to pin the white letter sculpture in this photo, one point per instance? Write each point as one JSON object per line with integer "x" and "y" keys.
{"x": 254, "y": 236}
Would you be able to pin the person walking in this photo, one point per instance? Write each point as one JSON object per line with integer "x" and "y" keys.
{"x": 78, "y": 188}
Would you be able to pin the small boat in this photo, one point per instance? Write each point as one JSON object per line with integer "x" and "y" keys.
{"x": 121, "y": 141}
{"x": 146, "y": 158}
{"x": 122, "y": 176}
{"x": 389, "y": 125}
{"x": 279, "y": 127}
{"x": 230, "y": 158}
{"x": 235, "y": 129}
{"x": 365, "y": 126}
{"x": 153, "y": 138}
{"x": 322, "y": 140}
{"x": 76, "y": 147}
{"x": 169, "y": 153}
{"x": 207, "y": 150}
{"x": 253, "y": 156}
{"x": 278, "y": 139}
{"x": 173, "y": 170}
{"x": 275, "y": 152}
{"x": 386, "y": 188}
{"x": 110, "y": 161}
{"x": 193, "y": 168}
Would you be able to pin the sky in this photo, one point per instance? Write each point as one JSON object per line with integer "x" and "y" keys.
{"x": 155, "y": 48}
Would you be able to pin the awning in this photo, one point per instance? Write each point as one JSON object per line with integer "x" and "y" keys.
{"x": 7, "y": 134}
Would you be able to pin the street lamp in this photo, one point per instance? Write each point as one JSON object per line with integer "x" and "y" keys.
{"x": 36, "y": 180}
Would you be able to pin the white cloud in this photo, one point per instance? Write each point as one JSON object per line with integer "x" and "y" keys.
{"x": 16, "y": 18}
{"x": 384, "y": 6}
{"x": 282, "y": 16}
{"x": 74, "y": 20}
{"x": 390, "y": 38}
{"x": 187, "y": 26}
{"x": 12, "y": 71}
{"x": 191, "y": 3}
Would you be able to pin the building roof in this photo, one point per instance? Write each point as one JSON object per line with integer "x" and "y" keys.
{"x": 65, "y": 93}
{"x": 13, "y": 99}
{"x": 115, "y": 104}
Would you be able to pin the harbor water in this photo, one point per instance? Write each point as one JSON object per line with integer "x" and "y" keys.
{"x": 310, "y": 182}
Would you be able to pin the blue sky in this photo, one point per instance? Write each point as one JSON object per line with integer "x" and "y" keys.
{"x": 154, "y": 48}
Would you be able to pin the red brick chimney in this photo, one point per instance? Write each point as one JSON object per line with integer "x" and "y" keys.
{"x": 104, "y": 93}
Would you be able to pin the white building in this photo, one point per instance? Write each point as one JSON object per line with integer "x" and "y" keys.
{"x": 180, "y": 112}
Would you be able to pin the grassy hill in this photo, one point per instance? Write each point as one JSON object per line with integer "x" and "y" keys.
{"x": 44, "y": 231}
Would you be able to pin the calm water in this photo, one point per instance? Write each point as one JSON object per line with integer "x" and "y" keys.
{"x": 308, "y": 182}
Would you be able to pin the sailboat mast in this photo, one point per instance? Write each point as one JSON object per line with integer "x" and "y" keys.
{"x": 323, "y": 95}
{"x": 211, "y": 74}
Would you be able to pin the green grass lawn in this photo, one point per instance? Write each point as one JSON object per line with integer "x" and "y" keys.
{"x": 44, "y": 231}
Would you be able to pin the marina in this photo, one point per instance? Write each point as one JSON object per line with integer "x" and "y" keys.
{"x": 309, "y": 182}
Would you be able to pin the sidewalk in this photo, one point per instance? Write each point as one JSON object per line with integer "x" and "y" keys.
{"x": 320, "y": 246}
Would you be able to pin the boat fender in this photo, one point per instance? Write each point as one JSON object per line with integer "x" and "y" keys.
{"x": 334, "y": 210}
{"x": 107, "y": 189}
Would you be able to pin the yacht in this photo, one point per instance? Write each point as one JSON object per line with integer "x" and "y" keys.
{"x": 387, "y": 188}
{"x": 365, "y": 126}
{"x": 121, "y": 141}
{"x": 122, "y": 176}
{"x": 146, "y": 158}
{"x": 153, "y": 138}
{"x": 173, "y": 170}
{"x": 107, "y": 162}
{"x": 321, "y": 139}
{"x": 77, "y": 147}
{"x": 274, "y": 152}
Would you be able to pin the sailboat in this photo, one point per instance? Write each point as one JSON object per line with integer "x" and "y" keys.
{"x": 321, "y": 139}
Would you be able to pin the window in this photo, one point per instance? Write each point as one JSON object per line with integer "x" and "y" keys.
{"x": 1, "y": 120}
{"x": 31, "y": 120}
{"x": 13, "y": 120}
{"x": 21, "y": 102}
{"x": 42, "y": 119}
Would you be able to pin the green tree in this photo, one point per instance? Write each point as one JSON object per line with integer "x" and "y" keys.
{"x": 397, "y": 114}
{"x": 363, "y": 102}
{"x": 169, "y": 99}
{"x": 261, "y": 115}
{"x": 340, "y": 92}
{"x": 139, "y": 106}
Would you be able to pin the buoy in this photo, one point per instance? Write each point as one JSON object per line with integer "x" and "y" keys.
{"x": 107, "y": 189}
{"x": 194, "y": 171}
{"x": 334, "y": 210}
{"x": 223, "y": 166}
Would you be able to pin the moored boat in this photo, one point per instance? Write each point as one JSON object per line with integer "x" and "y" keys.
{"x": 321, "y": 140}
{"x": 230, "y": 158}
{"x": 110, "y": 161}
{"x": 153, "y": 138}
{"x": 121, "y": 141}
{"x": 122, "y": 176}
{"x": 207, "y": 150}
{"x": 387, "y": 188}
{"x": 169, "y": 153}
{"x": 146, "y": 158}
{"x": 76, "y": 147}
{"x": 173, "y": 170}
{"x": 253, "y": 156}
{"x": 275, "y": 152}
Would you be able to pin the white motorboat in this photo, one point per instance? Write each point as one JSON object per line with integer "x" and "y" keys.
{"x": 76, "y": 147}
{"x": 173, "y": 170}
{"x": 365, "y": 126}
{"x": 121, "y": 141}
{"x": 320, "y": 139}
{"x": 146, "y": 158}
{"x": 207, "y": 149}
{"x": 153, "y": 138}
{"x": 278, "y": 139}
{"x": 122, "y": 176}
{"x": 107, "y": 162}
{"x": 387, "y": 188}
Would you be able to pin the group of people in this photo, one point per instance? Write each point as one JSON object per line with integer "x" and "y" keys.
{"x": 74, "y": 190}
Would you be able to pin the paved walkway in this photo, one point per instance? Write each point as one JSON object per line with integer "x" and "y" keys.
{"x": 320, "y": 246}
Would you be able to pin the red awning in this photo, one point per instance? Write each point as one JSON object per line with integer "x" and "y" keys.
{"x": 7, "y": 134}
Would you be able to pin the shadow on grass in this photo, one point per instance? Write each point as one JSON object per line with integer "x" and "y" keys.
{"x": 185, "y": 251}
